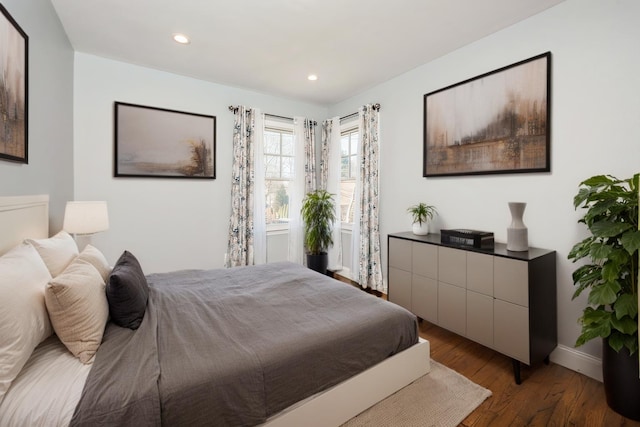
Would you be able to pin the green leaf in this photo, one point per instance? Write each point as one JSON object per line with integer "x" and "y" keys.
{"x": 631, "y": 342}
{"x": 599, "y": 251}
{"x": 592, "y": 316}
{"x": 587, "y": 273}
{"x": 602, "y": 206}
{"x": 626, "y": 305}
{"x": 620, "y": 258}
{"x": 608, "y": 229}
{"x": 599, "y": 180}
{"x": 595, "y": 323}
{"x": 631, "y": 241}
{"x": 583, "y": 194}
{"x": 580, "y": 250}
{"x": 592, "y": 332}
{"x": 604, "y": 293}
{"x": 586, "y": 276}
{"x": 610, "y": 271}
{"x": 616, "y": 341}
{"x": 626, "y": 325}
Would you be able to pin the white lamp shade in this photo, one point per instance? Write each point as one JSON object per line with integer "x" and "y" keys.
{"x": 86, "y": 217}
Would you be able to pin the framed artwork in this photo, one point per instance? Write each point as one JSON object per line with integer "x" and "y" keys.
{"x": 498, "y": 122}
{"x": 156, "y": 142}
{"x": 14, "y": 82}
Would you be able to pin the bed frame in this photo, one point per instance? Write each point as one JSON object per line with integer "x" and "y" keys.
{"x": 23, "y": 217}
{"x": 28, "y": 217}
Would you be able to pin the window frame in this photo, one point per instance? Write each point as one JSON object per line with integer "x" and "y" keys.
{"x": 281, "y": 128}
{"x": 348, "y": 128}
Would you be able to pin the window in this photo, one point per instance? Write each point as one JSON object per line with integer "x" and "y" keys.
{"x": 279, "y": 172}
{"x": 349, "y": 141}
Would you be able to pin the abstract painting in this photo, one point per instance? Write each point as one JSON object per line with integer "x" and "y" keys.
{"x": 13, "y": 90}
{"x": 498, "y": 122}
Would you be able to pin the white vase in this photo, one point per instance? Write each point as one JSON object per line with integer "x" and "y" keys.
{"x": 420, "y": 229}
{"x": 517, "y": 233}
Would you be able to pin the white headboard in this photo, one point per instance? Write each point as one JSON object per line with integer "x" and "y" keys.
{"x": 23, "y": 217}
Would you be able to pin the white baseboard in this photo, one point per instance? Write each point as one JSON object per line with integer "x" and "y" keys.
{"x": 577, "y": 361}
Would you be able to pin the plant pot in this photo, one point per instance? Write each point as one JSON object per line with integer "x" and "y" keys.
{"x": 318, "y": 262}
{"x": 621, "y": 382}
{"x": 420, "y": 229}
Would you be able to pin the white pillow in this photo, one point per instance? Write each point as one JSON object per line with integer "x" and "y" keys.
{"x": 93, "y": 256}
{"x": 78, "y": 308}
{"x": 57, "y": 252}
{"x": 24, "y": 321}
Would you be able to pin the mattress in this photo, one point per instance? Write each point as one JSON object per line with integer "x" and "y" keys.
{"x": 195, "y": 318}
{"x": 233, "y": 347}
{"x": 50, "y": 384}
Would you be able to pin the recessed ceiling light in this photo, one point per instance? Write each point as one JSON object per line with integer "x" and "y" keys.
{"x": 312, "y": 77}
{"x": 181, "y": 38}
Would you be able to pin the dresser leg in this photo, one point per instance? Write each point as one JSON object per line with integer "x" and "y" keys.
{"x": 516, "y": 371}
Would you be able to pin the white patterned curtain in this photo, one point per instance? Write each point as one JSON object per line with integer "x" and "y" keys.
{"x": 309, "y": 156}
{"x": 330, "y": 181}
{"x": 366, "y": 258}
{"x": 304, "y": 142}
{"x": 247, "y": 193}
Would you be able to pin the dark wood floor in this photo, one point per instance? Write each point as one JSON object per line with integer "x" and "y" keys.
{"x": 550, "y": 395}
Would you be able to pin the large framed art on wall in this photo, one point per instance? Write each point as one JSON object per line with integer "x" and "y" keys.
{"x": 157, "y": 142}
{"x": 498, "y": 122}
{"x": 14, "y": 83}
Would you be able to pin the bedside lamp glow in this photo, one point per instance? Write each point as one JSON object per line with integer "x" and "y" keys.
{"x": 86, "y": 217}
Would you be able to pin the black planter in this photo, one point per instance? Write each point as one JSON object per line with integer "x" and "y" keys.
{"x": 621, "y": 382}
{"x": 318, "y": 262}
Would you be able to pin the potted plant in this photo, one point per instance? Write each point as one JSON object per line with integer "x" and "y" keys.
{"x": 421, "y": 214}
{"x": 318, "y": 214}
{"x": 610, "y": 276}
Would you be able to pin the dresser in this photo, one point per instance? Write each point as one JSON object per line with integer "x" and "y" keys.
{"x": 501, "y": 299}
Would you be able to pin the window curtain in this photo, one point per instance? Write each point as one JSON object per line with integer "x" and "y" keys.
{"x": 330, "y": 181}
{"x": 247, "y": 229}
{"x": 304, "y": 131}
{"x": 366, "y": 259}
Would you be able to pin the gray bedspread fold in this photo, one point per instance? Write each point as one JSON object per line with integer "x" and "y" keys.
{"x": 233, "y": 347}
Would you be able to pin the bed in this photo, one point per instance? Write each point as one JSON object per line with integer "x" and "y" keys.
{"x": 202, "y": 354}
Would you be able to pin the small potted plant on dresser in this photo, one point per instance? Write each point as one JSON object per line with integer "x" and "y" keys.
{"x": 611, "y": 278}
{"x": 421, "y": 214}
{"x": 318, "y": 214}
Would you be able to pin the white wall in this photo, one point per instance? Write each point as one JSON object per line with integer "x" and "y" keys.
{"x": 174, "y": 224}
{"x": 50, "y": 168}
{"x": 167, "y": 224}
{"x": 594, "y": 130}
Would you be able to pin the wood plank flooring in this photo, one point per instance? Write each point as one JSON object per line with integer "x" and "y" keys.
{"x": 550, "y": 395}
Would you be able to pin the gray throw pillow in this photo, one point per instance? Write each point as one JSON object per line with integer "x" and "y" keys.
{"x": 127, "y": 292}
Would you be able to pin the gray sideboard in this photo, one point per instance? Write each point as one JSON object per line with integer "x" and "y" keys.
{"x": 501, "y": 299}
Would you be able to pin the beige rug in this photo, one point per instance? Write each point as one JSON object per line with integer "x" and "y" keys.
{"x": 441, "y": 398}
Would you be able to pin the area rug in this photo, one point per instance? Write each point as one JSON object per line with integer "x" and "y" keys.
{"x": 441, "y": 398}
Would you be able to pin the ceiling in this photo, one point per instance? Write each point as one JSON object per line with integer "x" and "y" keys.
{"x": 271, "y": 46}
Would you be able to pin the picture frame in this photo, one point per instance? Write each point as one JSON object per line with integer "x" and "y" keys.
{"x": 14, "y": 90}
{"x": 161, "y": 143}
{"x": 495, "y": 123}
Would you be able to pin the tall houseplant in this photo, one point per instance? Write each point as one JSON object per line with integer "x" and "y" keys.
{"x": 421, "y": 214}
{"x": 611, "y": 278}
{"x": 318, "y": 214}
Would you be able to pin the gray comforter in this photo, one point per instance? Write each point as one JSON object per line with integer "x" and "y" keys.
{"x": 233, "y": 347}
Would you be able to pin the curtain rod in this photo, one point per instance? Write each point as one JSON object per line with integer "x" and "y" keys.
{"x": 375, "y": 106}
{"x": 279, "y": 117}
{"x": 235, "y": 109}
